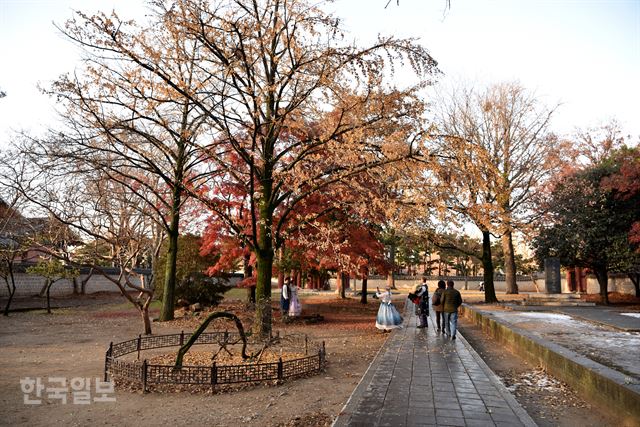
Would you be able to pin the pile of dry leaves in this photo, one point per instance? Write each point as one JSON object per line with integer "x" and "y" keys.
{"x": 537, "y": 382}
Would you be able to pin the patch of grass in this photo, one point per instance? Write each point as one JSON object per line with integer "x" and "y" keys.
{"x": 241, "y": 294}
{"x": 126, "y": 305}
{"x": 236, "y": 294}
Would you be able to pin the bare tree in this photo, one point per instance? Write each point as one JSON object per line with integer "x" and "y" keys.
{"x": 593, "y": 145}
{"x": 13, "y": 231}
{"x": 128, "y": 123}
{"x": 497, "y": 151}
{"x": 265, "y": 69}
{"x": 93, "y": 209}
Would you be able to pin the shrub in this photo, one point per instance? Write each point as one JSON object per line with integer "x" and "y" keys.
{"x": 198, "y": 287}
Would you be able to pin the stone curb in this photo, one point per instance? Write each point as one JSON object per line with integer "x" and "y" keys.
{"x": 342, "y": 421}
{"x": 602, "y": 386}
{"x": 559, "y": 310}
{"x": 599, "y": 322}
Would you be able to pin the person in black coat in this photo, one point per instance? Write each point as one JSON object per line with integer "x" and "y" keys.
{"x": 423, "y": 305}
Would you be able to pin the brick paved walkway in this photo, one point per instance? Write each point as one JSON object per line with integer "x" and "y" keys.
{"x": 420, "y": 378}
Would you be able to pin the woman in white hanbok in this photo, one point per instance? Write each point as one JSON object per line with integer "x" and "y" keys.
{"x": 294, "y": 305}
{"x": 388, "y": 317}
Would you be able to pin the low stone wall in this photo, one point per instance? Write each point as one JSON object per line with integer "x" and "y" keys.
{"x": 29, "y": 285}
{"x": 603, "y": 386}
{"x": 412, "y": 283}
{"x": 617, "y": 283}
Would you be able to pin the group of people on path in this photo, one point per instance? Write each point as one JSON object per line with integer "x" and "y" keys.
{"x": 289, "y": 302}
{"x": 445, "y": 302}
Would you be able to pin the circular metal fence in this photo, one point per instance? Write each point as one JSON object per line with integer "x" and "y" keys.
{"x": 147, "y": 374}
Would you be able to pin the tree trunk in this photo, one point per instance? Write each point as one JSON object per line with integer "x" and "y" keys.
{"x": 365, "y": 277}
{"x": 635, "y": 279}
{"x": 11, "y": 287}
{"x": 465, "y": 273}
{"x": 43, "y": 290}
{"x": 144, "y": 312}
{"x": 49, "y": 284}
{"x": 247, "y": 272}
{"x": 298, "y": 278}
{"x": 194, "y": 337}
{"x": 534, "y": 280}
{"x": 262, "y": 325}
{"x": 509, "y": 263}
{"x": 281, "y": 272}
{"x": 344, "y": 281}
{"x": 391, "y": 280}
{"x": 83, "y": 283}
{"x": 168, "y": 296}
{"x": 487, "y": 265}
{"x": 603, "y": 280}
{"x": 265, "y": 254}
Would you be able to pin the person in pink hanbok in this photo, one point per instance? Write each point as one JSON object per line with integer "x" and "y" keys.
{"x": 294, "y": 303}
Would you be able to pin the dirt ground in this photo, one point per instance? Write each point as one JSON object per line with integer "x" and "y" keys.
{"x": 71, "y": 343}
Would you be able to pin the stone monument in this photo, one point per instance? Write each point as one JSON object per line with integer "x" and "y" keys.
{"x": 552, "y": 282}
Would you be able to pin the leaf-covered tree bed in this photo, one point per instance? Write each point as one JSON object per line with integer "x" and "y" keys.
{"x": 630, "y": 302}
{"x": 340, "y": 313}
{"x": 203, "y": 358}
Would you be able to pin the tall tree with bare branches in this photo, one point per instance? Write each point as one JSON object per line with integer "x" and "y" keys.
{"x": 127, "y": 122}
{"x": 497, "y": 150}
{"x": 265, "y": 68}
{"x": 118, "y": 228}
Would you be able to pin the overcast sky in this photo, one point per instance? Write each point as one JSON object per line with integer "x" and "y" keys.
{"x": 583, "y": 54}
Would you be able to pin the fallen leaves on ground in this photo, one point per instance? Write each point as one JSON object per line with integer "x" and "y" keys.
{"x": 537, "y": 382}
{"x": 202, "y": 358}
{"x": 314, "y": 419}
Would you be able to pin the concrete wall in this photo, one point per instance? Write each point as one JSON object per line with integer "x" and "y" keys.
{"x": 29, "y": 285}
{"x": 617, "y": 283}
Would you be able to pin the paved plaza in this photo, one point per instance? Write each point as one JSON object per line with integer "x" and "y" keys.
{"x": 420, "y": 378}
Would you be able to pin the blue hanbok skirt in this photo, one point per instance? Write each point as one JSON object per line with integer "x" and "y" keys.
{"x": 388, "y": 317}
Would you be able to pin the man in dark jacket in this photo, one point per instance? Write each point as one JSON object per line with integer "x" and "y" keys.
{"x": 451, "y": 300}
{"x": 285, "y": 297}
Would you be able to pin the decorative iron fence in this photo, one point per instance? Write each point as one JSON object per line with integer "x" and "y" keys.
{"x": 147, "y": 374}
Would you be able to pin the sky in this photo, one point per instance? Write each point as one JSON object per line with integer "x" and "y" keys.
{"x": 581, "y": 54}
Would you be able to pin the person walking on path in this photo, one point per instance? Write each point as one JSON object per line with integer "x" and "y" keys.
{"x": 436, "y": 302}
{"x": 423, "y": 305}
{"x": 285, "y": 295}
{"x": 451, "y": 300}
{"x": 388, "y": 317}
